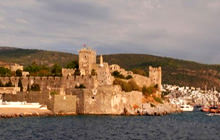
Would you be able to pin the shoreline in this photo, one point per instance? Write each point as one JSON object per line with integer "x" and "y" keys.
{"x": 6, "y": 113}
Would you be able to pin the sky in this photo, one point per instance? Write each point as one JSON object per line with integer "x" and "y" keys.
{"x": 184, "y": 29}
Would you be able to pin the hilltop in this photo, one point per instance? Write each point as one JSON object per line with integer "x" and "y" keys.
{"x": 178, "y": 72}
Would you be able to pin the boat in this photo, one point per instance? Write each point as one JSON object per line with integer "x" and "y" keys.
{"x": 186, "y": 107}
{"x": 211, "y": 109}
{"x": 205, "y": 109}
{"x": 22, "y": 105}
{"x": 213, "y": 114}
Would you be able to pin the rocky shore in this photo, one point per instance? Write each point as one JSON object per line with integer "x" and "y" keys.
{"x": 160, "y": 109}
{"x": 148, "y": 109}
{"x": 28, "y": 112}
{"x": 23, "y": 112}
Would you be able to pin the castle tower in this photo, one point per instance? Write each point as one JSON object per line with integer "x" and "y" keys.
{"x": 155, "y": 75}
{"x": 101, "y": 61}
{"x": 87, "y": 58}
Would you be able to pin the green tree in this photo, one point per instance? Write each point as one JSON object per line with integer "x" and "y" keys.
{"x": 56, "y": 70}
{"x": 4, "y": 72}
{"x": 33, "y": 68}
{"x": 18, "y": 73}
{"x": 72, "y": 65}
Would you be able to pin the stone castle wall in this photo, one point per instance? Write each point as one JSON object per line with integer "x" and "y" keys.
{"x": 155, "y": 76}
{"x": 31, "y": 97}
{"x": 142, "y": 80}
{"x": 63, "y": 104}
{"x": 50, "y": 83}
{"x": 104, "y": 76}
{"x": 9, "y": 90}
{"x": 110, "y": 100}
{"x": 67, "y": 72}
{"x": 115, "y": 67}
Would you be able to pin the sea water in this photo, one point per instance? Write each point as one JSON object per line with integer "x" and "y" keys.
{"x": 188, "y": 125}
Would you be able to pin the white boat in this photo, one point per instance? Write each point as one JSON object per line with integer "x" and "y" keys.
{"x": 21, "y": 105}
{"x": 213, "y": 114}
{"x": 186, "y": 107}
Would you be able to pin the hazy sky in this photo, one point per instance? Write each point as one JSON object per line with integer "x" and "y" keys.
{"x": 188, "y": 29}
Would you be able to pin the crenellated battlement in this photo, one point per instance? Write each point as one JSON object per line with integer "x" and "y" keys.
{"x": 46, "y": 83}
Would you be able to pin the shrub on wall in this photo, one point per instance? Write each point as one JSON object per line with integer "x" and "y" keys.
{"x": 128, "y": 77}
{"x": 134, "y": 85}
{"x": 126, "y": 86}
{"x": 53, "y": 93}
{"x": 149, "y": 90}
{"x": 157, "y": 99}
{"x": 117, "y": 74}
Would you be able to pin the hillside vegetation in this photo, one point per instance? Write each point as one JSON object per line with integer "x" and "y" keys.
{"x": 178, "y": 72}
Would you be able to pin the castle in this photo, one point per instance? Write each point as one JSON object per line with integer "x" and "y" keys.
{"x": 91, "y": 91}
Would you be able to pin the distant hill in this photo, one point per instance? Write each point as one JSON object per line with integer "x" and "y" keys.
{"x": 178, "y": 72}
{"x": 28, "y": 56}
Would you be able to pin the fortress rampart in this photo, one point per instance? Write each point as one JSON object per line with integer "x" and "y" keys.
{"x": 50, "y": 83}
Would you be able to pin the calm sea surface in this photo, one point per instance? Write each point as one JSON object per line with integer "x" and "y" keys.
{"x": 192, "y": 125}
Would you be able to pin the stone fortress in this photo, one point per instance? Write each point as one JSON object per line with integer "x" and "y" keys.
{"x": 98, "y": 96}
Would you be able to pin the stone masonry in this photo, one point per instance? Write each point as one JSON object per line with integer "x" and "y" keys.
{"x": 99, "y": 95}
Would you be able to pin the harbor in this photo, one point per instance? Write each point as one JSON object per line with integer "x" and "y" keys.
{"x": 190, "y": 98}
